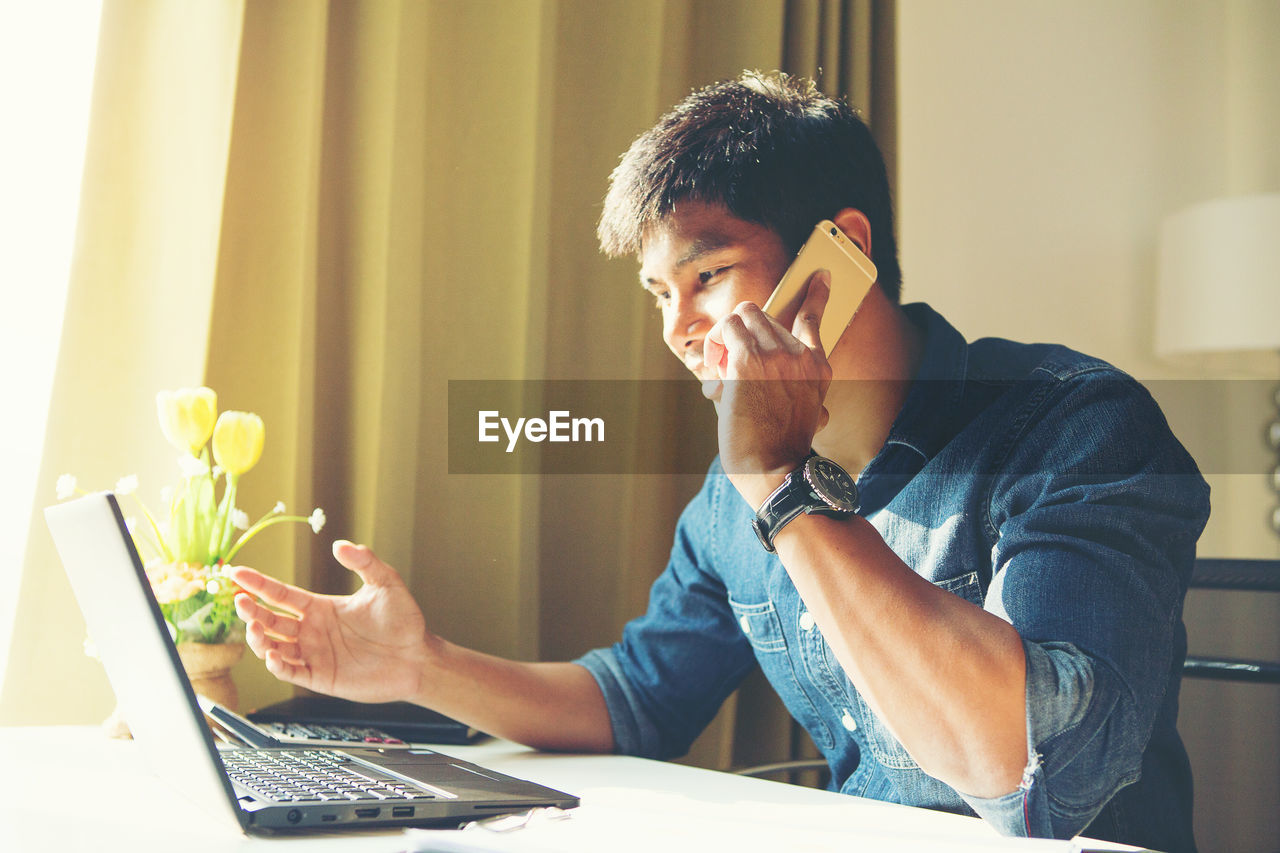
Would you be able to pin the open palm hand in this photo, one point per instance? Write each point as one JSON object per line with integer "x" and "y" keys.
{"x": 369, "y": 646}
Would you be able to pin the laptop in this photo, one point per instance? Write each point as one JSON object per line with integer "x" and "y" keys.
{"x": 311, "y": 717}
{"x": 283, "y": 728}
{"x": 261, "y": 789}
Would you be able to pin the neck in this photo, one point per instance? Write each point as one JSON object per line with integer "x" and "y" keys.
{"x": 872, "y": 368}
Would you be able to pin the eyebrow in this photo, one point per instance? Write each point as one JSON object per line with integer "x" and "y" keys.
{"x": 702, "y": 246}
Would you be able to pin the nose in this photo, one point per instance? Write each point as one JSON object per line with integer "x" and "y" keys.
{"x": 686, "y": 324}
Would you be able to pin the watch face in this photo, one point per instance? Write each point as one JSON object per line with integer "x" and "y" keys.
{"x": 832, "y": 483}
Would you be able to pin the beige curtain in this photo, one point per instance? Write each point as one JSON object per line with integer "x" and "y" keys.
{"x": 326, "y": 211}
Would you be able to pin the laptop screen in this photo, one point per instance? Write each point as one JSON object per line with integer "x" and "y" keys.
{"x": 125, "y": 623}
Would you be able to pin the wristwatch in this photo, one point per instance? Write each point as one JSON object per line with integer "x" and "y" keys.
{"x": 818, "y": 487}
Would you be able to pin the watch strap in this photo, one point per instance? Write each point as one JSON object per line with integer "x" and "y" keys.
{"x": 781, "y": 507}
{"x": 796, "y": 495}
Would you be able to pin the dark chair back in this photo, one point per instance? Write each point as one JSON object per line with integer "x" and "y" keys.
{"x": 1242, "y": 576}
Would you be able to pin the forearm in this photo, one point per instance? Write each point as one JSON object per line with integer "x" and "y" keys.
{"x": 946, "y": 676}
{"x": 554, "y": 706}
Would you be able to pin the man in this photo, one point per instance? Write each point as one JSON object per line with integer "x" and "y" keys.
{"x": 997, "y": 629}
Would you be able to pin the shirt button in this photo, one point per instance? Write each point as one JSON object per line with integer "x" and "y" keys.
{"x": 806, "y": 621}
{"x": 848, "y": 721}
{"x": 746, "y": 625}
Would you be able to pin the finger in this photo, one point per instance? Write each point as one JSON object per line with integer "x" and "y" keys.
{"x": 766, "y": 334}
{"x": 247, "y": 608}
{"x": 278, "y": 624}
{"x": 272, "y": 591}
{"x": 733, "y": 329}
{"x": 246, "y": 577}
{"x": 294, "y": 672}
{"x": 262, "y": 645}
{"x": 809, "y": 319}
{"x": 823, "y": 417}
{"x": 825, "y": 375}
{"x": 738, "y": 340}
{"x": 714, "y": 352}
{"x": 362, "y": 561}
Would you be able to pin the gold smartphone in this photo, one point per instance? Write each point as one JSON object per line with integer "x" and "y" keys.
{"x": 852, "y": 274}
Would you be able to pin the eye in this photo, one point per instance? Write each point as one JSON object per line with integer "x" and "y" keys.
{"x": 660, "y": 297}
{"x": 706, "y": 276}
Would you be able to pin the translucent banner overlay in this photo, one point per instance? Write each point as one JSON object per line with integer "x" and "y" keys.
{"x": 668, "y": 427}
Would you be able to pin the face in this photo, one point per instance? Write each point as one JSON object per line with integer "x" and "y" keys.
{"x": 699, "y": 264}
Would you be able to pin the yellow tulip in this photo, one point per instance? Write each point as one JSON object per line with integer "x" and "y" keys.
{"x": 237, "y": 441}
{"x": 187, "y": 417}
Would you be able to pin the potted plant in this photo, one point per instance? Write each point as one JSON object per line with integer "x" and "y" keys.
{"x": 187, "y": 548}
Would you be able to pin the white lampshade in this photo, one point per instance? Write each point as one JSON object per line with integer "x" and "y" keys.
{"x": 1218, "y": 299}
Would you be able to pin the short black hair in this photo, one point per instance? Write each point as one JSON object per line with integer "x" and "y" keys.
{"x": 771, "y": 148}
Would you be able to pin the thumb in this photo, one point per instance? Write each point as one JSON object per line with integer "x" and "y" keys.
{"x": 714, "y": 352}
{"x": 808, "y": 322}
{"x": 362, "y": 561}
{"x": 823, "y": 417}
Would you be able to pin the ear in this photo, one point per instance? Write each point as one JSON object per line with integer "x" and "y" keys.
{"x": 856, "y": 227}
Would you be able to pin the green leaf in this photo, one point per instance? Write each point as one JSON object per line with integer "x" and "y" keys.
{"x": 180, "y": 524}
{"x": 203, "y": 618}
{"x": 206, "y": 510}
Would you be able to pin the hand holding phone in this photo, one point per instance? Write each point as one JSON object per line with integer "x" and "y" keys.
{"x": 852, "y": 274}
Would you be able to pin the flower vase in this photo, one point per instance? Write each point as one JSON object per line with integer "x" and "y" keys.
{"x": 208, "y": 665}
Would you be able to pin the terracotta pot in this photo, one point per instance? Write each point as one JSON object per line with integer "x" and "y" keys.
{"x": 208, "y": 665}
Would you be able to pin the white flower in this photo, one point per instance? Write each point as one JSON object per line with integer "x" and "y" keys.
{"x": 217, "y": 471}
{"x": 317, "y": 520}
{"x": 66, "y": 486}
{"x": 166, "y": 495}
{"x": 191, "y": 466}
{"x": 278, "y": 509}
{"x": 132, "y": 524}
{"x": 240, "y": 519}
{"x": 212, "y": 587}
{"x": 127, "y": 485}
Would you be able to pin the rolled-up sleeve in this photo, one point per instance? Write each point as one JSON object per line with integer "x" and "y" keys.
{"x": 1096, "y": 517}
{"x": 674, "y": 666}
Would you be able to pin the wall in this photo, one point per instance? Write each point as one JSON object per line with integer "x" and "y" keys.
{"x": 1041, "y": 144}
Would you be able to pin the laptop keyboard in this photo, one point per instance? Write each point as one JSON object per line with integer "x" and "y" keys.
{"x": 321, "y": 731}
{"x": 294, "y": 775}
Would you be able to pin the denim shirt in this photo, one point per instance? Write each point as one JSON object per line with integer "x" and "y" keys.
{"x": 1035, "y": 482}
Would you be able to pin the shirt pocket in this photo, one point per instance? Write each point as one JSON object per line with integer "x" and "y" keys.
{"x": 760, "y": 625}
{"x": 886, "y": 748}
{"x": 968, "y": 587}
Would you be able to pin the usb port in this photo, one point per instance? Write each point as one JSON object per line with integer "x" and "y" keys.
{"x": 367, "y": 812}
{"x": 402, "y": 811}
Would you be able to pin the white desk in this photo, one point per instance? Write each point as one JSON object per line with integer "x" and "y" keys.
{"x": 628, "y": 804}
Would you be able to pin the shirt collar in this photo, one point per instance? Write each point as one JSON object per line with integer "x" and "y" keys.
{"x": 925, "y": 422}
